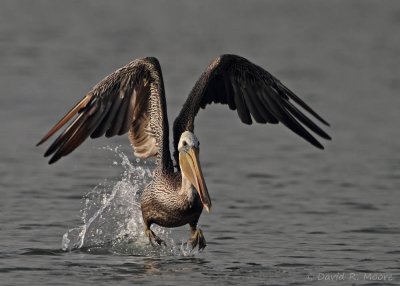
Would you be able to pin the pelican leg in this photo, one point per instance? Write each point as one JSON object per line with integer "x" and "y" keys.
{"x": 153, "y": 237}
{"x": 197, "y": 238}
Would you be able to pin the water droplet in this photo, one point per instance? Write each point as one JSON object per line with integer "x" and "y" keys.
{"x": 111, "y": 214}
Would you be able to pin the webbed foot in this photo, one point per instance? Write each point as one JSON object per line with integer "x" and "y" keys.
{"x": 154, "y": 238}
{"x": 197, "y": 239}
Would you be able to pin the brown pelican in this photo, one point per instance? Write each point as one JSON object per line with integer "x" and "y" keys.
{"x": 133, "y": 99}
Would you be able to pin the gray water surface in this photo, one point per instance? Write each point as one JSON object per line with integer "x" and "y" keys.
{"x": 284, "y": 213}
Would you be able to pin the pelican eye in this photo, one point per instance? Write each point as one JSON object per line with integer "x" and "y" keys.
{"x": 184, "y": 143}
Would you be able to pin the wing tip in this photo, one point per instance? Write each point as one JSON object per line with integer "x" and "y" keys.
{"x": 314, "y": 142}
{"x": 40, "y": 142}
{"x": 53, "y": 160}
{"x": 48, "y": 153}
{"x": 324, "y": 121}
{"x": 74, "y": 110}
{"x": 46, "y": 137}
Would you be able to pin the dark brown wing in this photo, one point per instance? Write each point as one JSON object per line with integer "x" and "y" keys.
{"x": 132, "y": 98}
{"x": 250, "y": 90}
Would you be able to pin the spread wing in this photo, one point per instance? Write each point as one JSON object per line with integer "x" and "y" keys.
{"x": 132, "y": 98}
{"x": 254, "y": 93}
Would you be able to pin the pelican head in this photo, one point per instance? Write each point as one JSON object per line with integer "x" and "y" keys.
{"x": 189, "y": 162}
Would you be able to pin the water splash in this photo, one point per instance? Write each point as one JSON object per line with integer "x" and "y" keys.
{"x": 112, "y": 219}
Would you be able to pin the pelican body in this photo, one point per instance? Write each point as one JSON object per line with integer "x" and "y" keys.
{"x": 133, "y": 99}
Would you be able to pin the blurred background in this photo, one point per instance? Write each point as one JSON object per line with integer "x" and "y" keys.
{"x": 289, "y": 209}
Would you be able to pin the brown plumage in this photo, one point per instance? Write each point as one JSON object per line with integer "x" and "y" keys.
{"x": 133, "y": 99}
